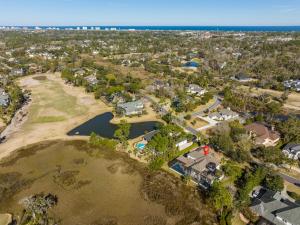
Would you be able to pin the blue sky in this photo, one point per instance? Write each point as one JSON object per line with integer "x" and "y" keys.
{"x": 149, "y": 12}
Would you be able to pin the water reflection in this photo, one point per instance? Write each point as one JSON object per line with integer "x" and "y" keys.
{"x": 101, "y": 125}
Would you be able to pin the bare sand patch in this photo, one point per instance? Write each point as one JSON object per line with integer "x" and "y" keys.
{"x": 5, "y": 219}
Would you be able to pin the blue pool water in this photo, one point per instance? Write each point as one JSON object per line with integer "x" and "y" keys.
{"x": 140, "y": 146}
{"x": 177, "y": 168}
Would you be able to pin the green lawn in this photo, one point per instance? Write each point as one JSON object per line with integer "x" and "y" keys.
{"x": 52, "y": 104}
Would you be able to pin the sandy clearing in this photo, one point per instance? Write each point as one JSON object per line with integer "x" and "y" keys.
{"x": 29, "y": 132}
{"x": 5, "y": 219}
{"x": 293, "y": 101}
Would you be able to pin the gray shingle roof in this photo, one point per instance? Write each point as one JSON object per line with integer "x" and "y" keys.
{"x": 272, "y": 205}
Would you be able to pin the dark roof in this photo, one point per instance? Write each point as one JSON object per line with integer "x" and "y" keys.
{"x": 292, "y": 147}
{"x": 271, "y": 204}
{"x": 150, "y": 135}
{"x": 242, "y": 76}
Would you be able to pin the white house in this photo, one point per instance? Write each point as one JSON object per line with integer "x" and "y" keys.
{"x": 183, "y": 144}
{"x": 223, "y": 115}
{"x": 292, "y": 151}
{"x": 195, "y": 89}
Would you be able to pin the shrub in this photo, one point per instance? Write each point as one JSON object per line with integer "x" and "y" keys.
{"x": 188, "y": 117}
{"x": 156, "y": 164}
{"x": 294, "y": 195}
{"x": 103, "y": 143}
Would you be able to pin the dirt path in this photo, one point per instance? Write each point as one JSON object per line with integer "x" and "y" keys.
{"x": 55, "y": 109}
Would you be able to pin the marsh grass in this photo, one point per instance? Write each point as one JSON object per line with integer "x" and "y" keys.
{"x": 90, "y": 187}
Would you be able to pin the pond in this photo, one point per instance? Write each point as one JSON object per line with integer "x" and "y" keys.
{"x": 102, "y": 126}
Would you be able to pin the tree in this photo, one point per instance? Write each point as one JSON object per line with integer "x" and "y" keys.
{"x": 122, "y": 133}
{"x": 290, "y": 129}
{"x": 168, "y": 117}
{"x": 233, "y": 170}
{"x": 269, "y": 154}
{"x": 36, "y": 209}
{"x": 223, "y": 142}
{"x": 156, "y": 163}
{"x": 220, "y": 197}
{"x": 274, "y": 182}
{"x": 248, "y": 182}
{"x": 67, "y": 74}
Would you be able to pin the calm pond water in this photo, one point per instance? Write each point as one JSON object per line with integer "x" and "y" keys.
{"x": 102, "y": 126}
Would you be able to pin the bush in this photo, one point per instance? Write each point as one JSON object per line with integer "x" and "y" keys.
{"x": 156, "y": 164}
{"x": 188, "y": 117}
{"x": 294, "y": 195}
{"x": 274, "y": 182}
{"x": 103, "y": 143}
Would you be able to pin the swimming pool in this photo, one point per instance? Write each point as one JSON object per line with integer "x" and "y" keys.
{"x": 178, "y": 168}
{"x": 140, "y": 146}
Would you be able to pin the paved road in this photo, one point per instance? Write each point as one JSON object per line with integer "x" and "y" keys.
{"x": 216, "y": 104}
{"x": 290, "y": 179}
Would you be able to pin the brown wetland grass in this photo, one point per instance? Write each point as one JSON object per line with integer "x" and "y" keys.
{"x": 98, "y": 187}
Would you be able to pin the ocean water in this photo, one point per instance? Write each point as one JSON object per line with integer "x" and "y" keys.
{"x": 170, "y": 28}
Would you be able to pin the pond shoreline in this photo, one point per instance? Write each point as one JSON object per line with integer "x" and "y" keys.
{"x": 102, "y": 125}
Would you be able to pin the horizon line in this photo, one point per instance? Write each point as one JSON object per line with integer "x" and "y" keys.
{"x": 150, "y": 25}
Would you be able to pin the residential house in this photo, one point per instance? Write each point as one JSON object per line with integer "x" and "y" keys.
{"x": 292, "y": 84}
{"x": 116, "y": 98}
{"x": 272, "y": 207}
{"x": 192, "y": 55}
{"x": 263, "y": 135}
{"x": 17, "y": 72}
{"x": 131, "y": 108}
{"x": 4, "y": 98}
{"x": 79, "y": 72}
{"x": 195, "y": 89}
{"x": 183, "y": 144}
{"x": 200, "y": 164}
{"x": 148, "y": 137}
{"x": 158, "y": 84}
{"x": 292, "y": 151}
{"x": 223, "y": 115}
{"x": 92, "y": 80}
{"x": 241, "y": 77}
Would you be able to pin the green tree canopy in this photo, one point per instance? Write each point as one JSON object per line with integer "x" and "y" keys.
{"x": 220, "y": 197}
{"x": 274, "y": 182}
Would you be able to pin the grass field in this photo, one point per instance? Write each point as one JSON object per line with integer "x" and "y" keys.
{"x": 197, "y": 123}
{"x": 292, "y": 188}
{"x": 52, "y": 104}
{"x": 55, "y": 109}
